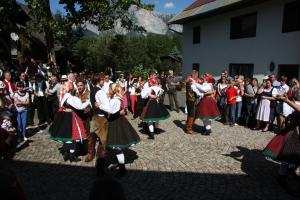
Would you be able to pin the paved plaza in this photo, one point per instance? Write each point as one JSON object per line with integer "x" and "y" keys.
{"x": 226, "y": 165}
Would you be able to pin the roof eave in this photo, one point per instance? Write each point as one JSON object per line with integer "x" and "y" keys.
{"x": 223, "y": 9}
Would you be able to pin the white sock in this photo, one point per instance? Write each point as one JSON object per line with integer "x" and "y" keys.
{"x": 151, "y": 128}
{"x": 121, "y": 158}
{"x": 207, "y": 124}
{"x": 72, "y": 150}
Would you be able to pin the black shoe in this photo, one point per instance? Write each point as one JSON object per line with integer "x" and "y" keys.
{"x": 177, "y": 110}
{"x": 66, "y": 156}
{"x": 207, "y": 132}
{"x": 74, "y": 158}
{"x": 151, "y": 136}
{"x": 122, "y": 171}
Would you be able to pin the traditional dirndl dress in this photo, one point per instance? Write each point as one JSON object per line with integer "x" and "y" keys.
{"x": 121, "y": 134}
{"x": 154, "y": 111}
{"x": 67, "y": 126}
{"x": 285, "y": 147}
{"x": 207, "y": 109}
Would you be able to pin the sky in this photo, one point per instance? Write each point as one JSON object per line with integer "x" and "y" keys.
{"x": 163, "y": 6}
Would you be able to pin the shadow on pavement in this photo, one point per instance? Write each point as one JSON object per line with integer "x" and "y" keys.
{"x": 62, "y": 181}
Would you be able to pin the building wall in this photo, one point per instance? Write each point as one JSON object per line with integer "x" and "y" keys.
{"x": 216, "y": 51}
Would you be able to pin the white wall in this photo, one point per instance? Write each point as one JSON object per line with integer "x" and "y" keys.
{"x": 216, "y": 51}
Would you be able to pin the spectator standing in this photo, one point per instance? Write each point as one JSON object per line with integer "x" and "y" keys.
{"x": 231, "y": 95}
{"x": 163, "y": 83}
{"x": 28, "y": 88}
{"x": 239, "y": 99}
{"x": 266, "y": 108}
{"x": 172, "y": 83}
{"x": 249, "y": 101}
{"x": 9, "y": 85}
{"x": 282, "y": 91}
{"x": 39, "y": 89}
{"x": 52, "y": 98}
{"x": 221, "y": 92}
{"x": 21, "y": 100}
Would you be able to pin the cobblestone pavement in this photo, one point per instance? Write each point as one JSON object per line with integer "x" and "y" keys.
{"x": 226, "y": 165}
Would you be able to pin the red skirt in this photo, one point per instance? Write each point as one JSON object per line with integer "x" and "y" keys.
{"x": 284, "y": 147}
{"x": 207, "y": 109}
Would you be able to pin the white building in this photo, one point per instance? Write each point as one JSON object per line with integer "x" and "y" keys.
{"x": 249, "y": 37}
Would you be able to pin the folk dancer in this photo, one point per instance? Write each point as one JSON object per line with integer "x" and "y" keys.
{"x": 121, "y": 133}
{"x": 154, "y": 111}
{"x": 207, "y": 109}
{"x": 192, "y": 97}
{"x": 84, "y": 95}
{"x": 67, "y": 126}
{"x": 99, "y": 124}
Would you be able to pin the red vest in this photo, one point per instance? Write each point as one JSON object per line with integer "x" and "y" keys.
{"x": 12, "y": 85}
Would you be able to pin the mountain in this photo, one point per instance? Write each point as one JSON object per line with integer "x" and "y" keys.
{"x": 152, "y": 21}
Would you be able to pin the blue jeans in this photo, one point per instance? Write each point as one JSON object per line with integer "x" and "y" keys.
{"x": 22, "y": 122}
{"x": 239, "y": 106}
{"x": 230, "y": 113}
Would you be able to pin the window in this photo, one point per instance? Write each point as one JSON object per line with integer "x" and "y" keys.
{"x": 243, "y": 26}
{"x": 196, "y": 66}
{"x": 291, "y": 17}
{"x": 196, "y": 35}
{"x": 291, "y": 71}
{"x": 241, "y": 69}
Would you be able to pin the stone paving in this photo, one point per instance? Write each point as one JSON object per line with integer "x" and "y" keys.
{"x": 228, "y": 164}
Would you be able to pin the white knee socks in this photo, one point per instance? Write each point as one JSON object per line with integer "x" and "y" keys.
{"x": 121, "y": 158}
{"x": 207, "y": 124}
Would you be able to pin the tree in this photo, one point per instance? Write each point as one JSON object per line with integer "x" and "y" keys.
{"x": 102, "y": 13}
{"x": 43, "y": 22}
{"x": 7, "y": 13}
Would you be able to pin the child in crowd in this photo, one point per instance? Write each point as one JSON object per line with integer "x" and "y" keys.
{"x": 231, "y": 95}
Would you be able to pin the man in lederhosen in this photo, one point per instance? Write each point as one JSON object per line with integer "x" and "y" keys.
{"x": 192, "y": 95}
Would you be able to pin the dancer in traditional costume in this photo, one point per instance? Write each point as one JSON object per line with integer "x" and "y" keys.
{"x": 285, "y": 147}
{"x": 121, "y": 134}
{"x": 99, "y": 124}
{"x": 207, "y": 108}
{"x": 145, "y": 98}
{"x": 67, "y": 126}
{"x": 84, "y": 95}
{"x": 154, "y": 111}
{"x": 192, "y": 96}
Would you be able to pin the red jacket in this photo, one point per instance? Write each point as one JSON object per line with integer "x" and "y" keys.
{"x": 12, "y": 85}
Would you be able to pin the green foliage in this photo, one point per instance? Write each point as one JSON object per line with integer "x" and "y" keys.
{"x": 126, "y": 53}
{"x": 141, "y": 71}
{"x": 8, "y": 13}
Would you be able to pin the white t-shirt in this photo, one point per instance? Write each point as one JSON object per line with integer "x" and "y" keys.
{"x": 21, "y": 98}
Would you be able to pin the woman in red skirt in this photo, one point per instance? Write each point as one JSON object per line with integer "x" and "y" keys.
{"x": 207, "y": 108}
{"x": 285, "y": 147}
